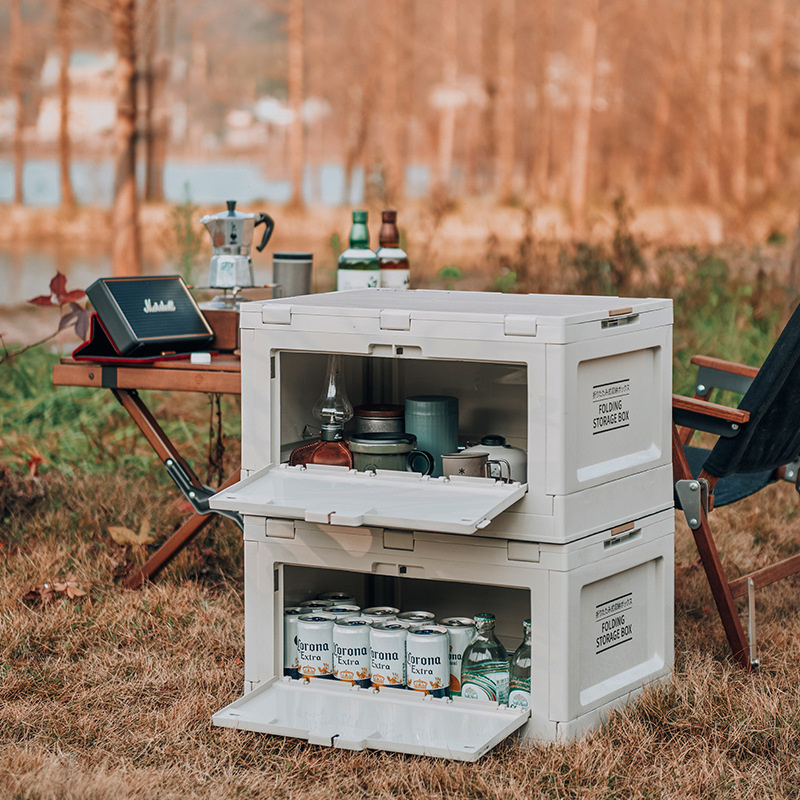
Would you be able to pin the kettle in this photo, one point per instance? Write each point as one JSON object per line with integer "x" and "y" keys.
{"x": 496, "y": 447}
{"x": 231, "y": 237}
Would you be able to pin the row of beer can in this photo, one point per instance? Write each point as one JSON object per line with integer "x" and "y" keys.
{"x": 379, "y": 647}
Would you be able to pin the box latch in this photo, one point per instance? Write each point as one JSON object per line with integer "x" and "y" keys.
{"x": 277, "y": 314}
{"x": 519, "y": 325}
{"x": 280, "y": 528}
{"x": 393, "y": 319}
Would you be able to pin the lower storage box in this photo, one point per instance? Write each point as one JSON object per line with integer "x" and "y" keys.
{"x": 602, "y": 628}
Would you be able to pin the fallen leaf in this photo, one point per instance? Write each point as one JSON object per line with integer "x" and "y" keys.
{"x": 73, "y": 591}
{"x": 128, "y": 538}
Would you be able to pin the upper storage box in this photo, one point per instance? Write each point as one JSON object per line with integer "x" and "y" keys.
{"x": 581, "y": 384}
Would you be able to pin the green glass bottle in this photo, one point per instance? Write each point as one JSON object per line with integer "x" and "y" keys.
{"x": 484, "y": 666}
{"x": 519, "y": 690}
{"x": 358, "y": 267}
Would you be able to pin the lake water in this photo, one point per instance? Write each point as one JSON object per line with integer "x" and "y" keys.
{"x": 26, "y": 274}
{"x": 204, "y": 182}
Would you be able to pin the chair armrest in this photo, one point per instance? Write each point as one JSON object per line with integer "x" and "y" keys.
{"x": 701, "y": 415}
{"x": 733, "y": 367}
{"x": 716, "y": 373}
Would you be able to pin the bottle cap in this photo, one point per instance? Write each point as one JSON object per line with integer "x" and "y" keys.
{"x": 484, "y": 617}
{"x": 359, "y": 216}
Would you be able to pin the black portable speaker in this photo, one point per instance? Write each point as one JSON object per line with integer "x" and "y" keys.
{"x": 147, "y": 316}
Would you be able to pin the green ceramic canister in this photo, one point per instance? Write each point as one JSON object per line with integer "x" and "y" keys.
{"x": 433, "y": 419}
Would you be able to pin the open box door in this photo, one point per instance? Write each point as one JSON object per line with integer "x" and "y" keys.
{"x": 340, "y": 496}
{"x": 336, "y": 714}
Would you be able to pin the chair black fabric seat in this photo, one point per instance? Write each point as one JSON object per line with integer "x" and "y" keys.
{"x": 732, "y": 488}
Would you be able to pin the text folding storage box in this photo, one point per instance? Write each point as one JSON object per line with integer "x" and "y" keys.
{"x": 584, "y": 547}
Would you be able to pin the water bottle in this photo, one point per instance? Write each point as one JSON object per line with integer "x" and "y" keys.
{"x": 519, "y": 690}
{"x": 484, "y": 667}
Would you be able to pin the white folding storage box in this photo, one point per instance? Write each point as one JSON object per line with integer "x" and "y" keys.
{"x": 584, "y": 548}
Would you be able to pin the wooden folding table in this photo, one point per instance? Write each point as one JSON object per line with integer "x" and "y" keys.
{"x": 221, "y": 376}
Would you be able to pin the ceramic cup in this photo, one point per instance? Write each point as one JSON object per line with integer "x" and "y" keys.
{"x": 474, "y": 465}
{"x": 398, "y": 451}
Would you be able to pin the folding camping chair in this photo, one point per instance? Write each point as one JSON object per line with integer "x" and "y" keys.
{"x": 759, "y": 443}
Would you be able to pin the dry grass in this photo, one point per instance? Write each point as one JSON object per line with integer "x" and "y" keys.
{"x": 110, "y": 695}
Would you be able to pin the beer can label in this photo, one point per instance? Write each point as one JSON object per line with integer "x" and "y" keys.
{"x": 315, "y": 645}
{"x": 428, "y": 663}
{"x": 387, "y": 643}
{"x": 351, "y": 652}
{"x": 461, "y": 631}
{"x": 291, "y": 663}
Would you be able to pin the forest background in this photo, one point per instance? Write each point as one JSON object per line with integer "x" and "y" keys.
{"x": 553, "y": 107}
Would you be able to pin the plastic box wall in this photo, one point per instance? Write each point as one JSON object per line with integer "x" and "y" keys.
{"x": 602, "y": 608}
{"x": 580, "y": 383}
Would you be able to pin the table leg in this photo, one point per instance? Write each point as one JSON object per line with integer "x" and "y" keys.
{"x": 173, "y": 545}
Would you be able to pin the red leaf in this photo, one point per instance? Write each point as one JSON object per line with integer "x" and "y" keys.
{"x": 69, "y": 297}
{"x": 43, "y": 300}
{"x": 58, "y": 286}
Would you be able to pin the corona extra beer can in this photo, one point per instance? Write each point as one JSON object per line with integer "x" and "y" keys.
{"x": 387, "y": 644}
{"x": 351, "y": 661}
{"x": 338, "y": 598}
{"x": 428, "y": 661}
{"x": 343, "y": 611}
{"x": 315, "y": 605}
{"x": 380, "y": 613}
{"x": 315, "y": 645}
{"x": 461, "y": 631}
{"x": 291, "y": 664}
{"x": 418, "y": 617}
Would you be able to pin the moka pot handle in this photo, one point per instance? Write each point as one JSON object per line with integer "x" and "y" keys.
{"x": 264, "y": 219}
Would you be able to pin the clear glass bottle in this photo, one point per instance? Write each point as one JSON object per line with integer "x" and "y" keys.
{"x": 519, "y": 688}
{"x": 358, "y": 265}
{"x": 393, "y": 261}
{"x": 484, "y": 666}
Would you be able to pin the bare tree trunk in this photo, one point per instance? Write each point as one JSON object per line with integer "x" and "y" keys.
{"x": 153, "y": 188}
{"x": 489, "y": 62}
{"x": 388, "y": 147}
{"x": 772, "y": 133}
{"x": 506, "y": 117}
{"x": 694, "y": 57}
{"x": 447, "y": 119}
{"x": 740, "y": 104}
{"x": 669, "y": 68}
{"x": 126, "y": 248}
{"x": 64, "y": 144}
{"x": 296, "y": 90}
{"x": 541, "y": 158}
{"x": 714, "y": 105}
{"x": 17, "y": 80}
{"x": 584, "y": 94}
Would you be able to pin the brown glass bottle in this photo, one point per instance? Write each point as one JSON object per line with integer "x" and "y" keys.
{"x": 393, "y": 261}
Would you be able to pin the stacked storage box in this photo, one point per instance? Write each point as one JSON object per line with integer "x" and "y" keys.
{"x": 584, "y": 547}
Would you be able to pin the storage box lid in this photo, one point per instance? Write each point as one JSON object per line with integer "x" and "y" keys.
{"x": 340, "y": 496}
{"x": 542, "y": 316}
{"x": 337, "y": 715}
